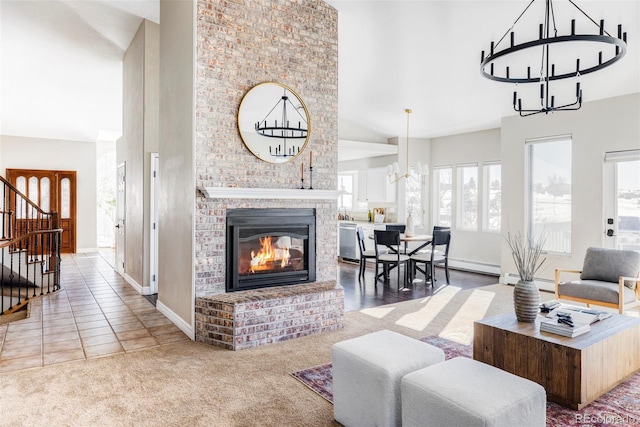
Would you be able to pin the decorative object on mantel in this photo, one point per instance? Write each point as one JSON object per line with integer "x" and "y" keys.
{"x": 526, "y": 254}
{"x": 311, "y": 170}
{"x": 549, "y": 69}
{"x": 280, "y": 135}
{"x": 393, "y": 171}
{"x": 310, "y": 173}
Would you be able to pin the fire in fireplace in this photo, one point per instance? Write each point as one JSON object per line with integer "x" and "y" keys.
{"x": 270, "y": 247}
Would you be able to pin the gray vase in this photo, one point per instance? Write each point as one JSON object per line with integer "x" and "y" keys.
{"x": 526, "y": 301}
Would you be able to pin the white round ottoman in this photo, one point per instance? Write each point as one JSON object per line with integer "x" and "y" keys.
{"x": 367, "y": 371}
{"x": 465, "y": 392}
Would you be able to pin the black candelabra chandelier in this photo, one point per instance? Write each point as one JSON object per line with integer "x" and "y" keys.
{"x": 547, "y": 40}
{"x": 286, "y": 130}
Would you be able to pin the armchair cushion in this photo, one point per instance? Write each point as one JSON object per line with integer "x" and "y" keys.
{"x": 609, "y": 264}
{"x": 596, "y": 290}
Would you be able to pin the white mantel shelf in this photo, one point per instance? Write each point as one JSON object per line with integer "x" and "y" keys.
{"x": 267, "y": 193}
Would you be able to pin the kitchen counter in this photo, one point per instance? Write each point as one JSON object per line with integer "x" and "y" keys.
{"x": 341, "y": 221}
{"x": 348, "y": 248}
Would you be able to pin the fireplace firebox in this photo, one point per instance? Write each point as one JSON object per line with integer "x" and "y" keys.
{"x": 270, "y": 247}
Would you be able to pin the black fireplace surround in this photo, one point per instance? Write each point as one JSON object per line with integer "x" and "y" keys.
{"x": 270, "y": 247}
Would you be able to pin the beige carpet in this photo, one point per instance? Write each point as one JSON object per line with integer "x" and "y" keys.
{"x": 191, "y": 384}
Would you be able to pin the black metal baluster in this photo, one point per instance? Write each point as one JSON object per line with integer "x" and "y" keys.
{"x": 11, "y": 280}
{"x": 20, "y": 256}
{"x": 2, "y": 281}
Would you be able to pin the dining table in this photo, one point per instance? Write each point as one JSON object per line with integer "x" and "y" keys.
{"x": 422, "y": 239}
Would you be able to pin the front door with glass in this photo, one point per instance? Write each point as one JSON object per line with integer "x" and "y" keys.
{"x": 51, "y": 191}
{"x": 622, "y": 200}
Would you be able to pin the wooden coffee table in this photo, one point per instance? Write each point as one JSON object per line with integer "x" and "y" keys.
{"x": 573, "y": 371}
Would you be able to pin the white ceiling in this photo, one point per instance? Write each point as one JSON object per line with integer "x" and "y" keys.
{"x": 61, "y": 64}
{"x": 425, "y": 55}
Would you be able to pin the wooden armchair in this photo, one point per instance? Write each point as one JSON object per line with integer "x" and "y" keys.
{"x": 609, "y": 278}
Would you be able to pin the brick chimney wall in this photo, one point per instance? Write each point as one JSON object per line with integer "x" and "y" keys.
{"x": 241, "y": 44}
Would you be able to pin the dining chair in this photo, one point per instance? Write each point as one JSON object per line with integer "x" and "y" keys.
{"x": 365, "y": 253}
{"x": 390, "y": 260}
{"x": 438, "y": 253}
{"x": 396, "y": 227}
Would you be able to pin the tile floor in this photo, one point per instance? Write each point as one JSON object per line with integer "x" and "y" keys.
{"x": 96, "y": 313}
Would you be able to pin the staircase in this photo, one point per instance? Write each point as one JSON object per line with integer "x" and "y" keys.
{"x": 29, "y": 250}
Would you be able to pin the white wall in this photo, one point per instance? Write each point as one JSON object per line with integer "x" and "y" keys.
{"x": 600, "y": 126}
{"x": 140, "y": 138}
{"x": 369, "y": 162}
{"x": 50, "y": 154}
{"x": 474, "y": 147}
{"x": 176, "y": 287}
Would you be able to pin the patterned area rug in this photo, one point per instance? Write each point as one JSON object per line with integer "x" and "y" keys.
{"x": 620, "y": 406}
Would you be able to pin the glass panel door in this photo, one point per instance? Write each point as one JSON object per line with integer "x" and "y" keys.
{"x": 622, "y": 180}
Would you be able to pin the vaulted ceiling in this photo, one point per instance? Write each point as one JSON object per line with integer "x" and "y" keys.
{"x": 61, "y": 64}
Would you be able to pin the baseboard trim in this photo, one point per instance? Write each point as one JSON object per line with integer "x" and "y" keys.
{"x": 177, "y": 320}
{"x": 477, "y": 267}
{"x": 456, "y": 264}
{"x": 86, "y": 250}
{"x": 142, "y": 290}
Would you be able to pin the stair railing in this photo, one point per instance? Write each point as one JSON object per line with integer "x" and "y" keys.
{"x": 30, "y": 249}
{"x": 31, "y": 271}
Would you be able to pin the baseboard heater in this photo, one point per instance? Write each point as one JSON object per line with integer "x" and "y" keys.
{"x": 543, "y": 284}
{"x": 476, "y": 267}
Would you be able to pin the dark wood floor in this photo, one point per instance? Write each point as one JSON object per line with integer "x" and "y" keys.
{"x": 364, "y": 293}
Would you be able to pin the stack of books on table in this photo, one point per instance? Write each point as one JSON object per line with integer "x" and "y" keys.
{"x": 599, "y": 315}
{"x": 568, "y": 323}
{"x": 555, "y": 327}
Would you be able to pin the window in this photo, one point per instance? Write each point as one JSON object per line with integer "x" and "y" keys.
{"x": 628, "y": 204}
{"x": 622, "y": 199}
{"x": 549, "y": 192}
{"x": 65, "y": 195}
{"x": 492, "y": 203}
{"x": 33, "y": 195}
{"x": 346, "y": 184}
{"x": 442, "y": 196}
{"x": 414, "y": 196}
{"x": 21, "y": 204}
{"x": 468, "y": 197}
{"x": 44, "y": 194}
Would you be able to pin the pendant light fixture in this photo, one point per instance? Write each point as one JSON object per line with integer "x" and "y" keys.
{"x": 393, "y": 171}
{"x": 606, "y": 50}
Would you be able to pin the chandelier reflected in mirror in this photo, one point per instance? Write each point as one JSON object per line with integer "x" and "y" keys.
{"x": 286, "y": 129}
{"x": 274, "y": 122}
{"x": 533, "y": 62}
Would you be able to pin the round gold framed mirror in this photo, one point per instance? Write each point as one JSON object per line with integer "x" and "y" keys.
{"x": 273, "y": 122}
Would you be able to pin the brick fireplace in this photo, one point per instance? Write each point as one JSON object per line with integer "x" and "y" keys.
{"x": 241, "y": 44}
{"x": 254, "y": 317}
